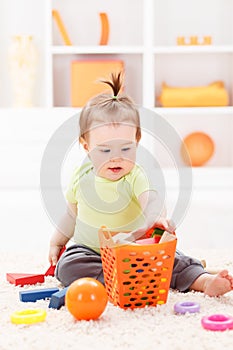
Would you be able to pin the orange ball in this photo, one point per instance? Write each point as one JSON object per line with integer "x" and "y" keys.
{"x": 86, "y": 299}
{"x": 199, "y": 146}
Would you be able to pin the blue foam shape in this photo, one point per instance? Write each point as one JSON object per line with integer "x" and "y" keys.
{"x": 36, "y": 294}
{"x": 58, "y": 299}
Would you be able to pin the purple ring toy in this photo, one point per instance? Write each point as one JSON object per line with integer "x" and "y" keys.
{"x": 217, "y": 322}
{"x": 186, "y": 306}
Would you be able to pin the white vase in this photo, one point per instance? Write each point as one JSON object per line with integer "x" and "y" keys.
{"x": 23, "y": 62}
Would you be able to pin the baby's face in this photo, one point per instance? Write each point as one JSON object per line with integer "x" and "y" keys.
{"x": 112, "y": 150}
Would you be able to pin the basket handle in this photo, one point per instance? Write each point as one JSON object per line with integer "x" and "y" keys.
{"x": 105, "y": 238}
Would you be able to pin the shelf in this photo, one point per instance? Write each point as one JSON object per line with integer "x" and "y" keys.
{"x": 62, "y": 49}
{"x": 86, "y": 50}
{"x": 195, "y": 110}
{"x": 215, "y": 49}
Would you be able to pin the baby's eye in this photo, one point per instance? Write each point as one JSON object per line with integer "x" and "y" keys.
{"x": 125, "y": 149}
{"x": 106, "y": 150}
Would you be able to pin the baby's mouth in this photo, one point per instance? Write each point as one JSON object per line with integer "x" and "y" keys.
{"x": 115, "y": 169}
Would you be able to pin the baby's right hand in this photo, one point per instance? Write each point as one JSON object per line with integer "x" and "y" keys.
{"x": 54, "y": 254}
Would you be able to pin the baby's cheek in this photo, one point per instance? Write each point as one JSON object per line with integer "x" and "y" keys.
{"x": 99, "y": 160}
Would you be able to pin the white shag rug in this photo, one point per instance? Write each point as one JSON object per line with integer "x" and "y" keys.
{"x": 140, "y": 329}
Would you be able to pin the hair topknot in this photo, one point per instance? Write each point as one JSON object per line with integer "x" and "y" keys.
{"x": 115, "y": 82}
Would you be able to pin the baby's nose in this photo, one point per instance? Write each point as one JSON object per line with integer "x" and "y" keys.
{"x": 116, "y": 158}
{"x": 116, "y": 155}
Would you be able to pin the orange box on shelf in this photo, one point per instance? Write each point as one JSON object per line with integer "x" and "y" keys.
{"x": 86, "y": 76}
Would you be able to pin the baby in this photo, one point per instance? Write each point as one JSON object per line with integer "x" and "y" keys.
{"x": 112, "y": 190}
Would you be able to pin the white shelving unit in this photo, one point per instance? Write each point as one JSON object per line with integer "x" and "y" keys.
{"x": 143, "y": 34}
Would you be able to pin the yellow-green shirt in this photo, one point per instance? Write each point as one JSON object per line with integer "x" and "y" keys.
{"x": 100, "y": 201}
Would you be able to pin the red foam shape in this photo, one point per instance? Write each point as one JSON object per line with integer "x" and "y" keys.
{"x": 20, "y": 279}
{"x": 51, "y": 269}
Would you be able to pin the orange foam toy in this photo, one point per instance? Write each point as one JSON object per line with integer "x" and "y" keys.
{"x": 199, "y": 146}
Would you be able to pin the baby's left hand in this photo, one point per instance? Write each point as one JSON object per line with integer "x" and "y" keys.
{"x": 127, "y": 238}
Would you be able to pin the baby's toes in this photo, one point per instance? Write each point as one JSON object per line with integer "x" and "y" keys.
{"x": 230, "y": 279}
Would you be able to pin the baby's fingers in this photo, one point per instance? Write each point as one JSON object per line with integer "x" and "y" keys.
{"x": 54, "y": 261}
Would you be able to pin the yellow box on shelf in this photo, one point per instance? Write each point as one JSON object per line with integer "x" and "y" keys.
{"x": 86, "y": 78}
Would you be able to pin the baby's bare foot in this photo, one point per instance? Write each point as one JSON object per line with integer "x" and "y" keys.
{"x": 219, "y": 284}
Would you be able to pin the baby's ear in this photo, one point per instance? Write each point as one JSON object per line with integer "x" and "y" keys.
{"x": 84, "y": 144}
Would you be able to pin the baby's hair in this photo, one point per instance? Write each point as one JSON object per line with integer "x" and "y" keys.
{"x": 107, "y": 108}
{"x": 115, "y": 83}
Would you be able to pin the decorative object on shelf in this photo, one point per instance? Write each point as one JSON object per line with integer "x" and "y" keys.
{"x": 86, "y": 76}
{"x": 104, "y": 28}
{"x": 214, "y": 94}
{"x": 207, "y": 40}
{"x": 23, "y": 62}
{"x": 193, "y": 40}
{"x": 61, "y": 27}
{"x": 180, "y": 40}
{"x": 200, "y": 148}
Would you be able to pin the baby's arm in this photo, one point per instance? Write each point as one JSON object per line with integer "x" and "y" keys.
{"x": 154, "y": 211}
{"x": 63, "y": 233}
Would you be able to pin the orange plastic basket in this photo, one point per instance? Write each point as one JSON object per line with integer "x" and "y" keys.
{"x": 136, "y": 275}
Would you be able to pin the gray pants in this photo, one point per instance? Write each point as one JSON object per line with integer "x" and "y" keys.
{"x": 80, "y": 261}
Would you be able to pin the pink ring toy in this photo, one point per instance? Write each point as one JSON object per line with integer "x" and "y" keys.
{"x": 186, "y": 306}
{"x": 217, "y": 322}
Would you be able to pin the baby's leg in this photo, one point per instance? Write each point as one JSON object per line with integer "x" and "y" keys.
{"x": 76, "y": 262}
{"x": 214, "y": 285}
{"x": 189, "y": 274}
{"x": 185, "y": 271}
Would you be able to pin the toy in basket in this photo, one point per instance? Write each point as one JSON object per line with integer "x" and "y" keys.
{"x": 136, "y": 275}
